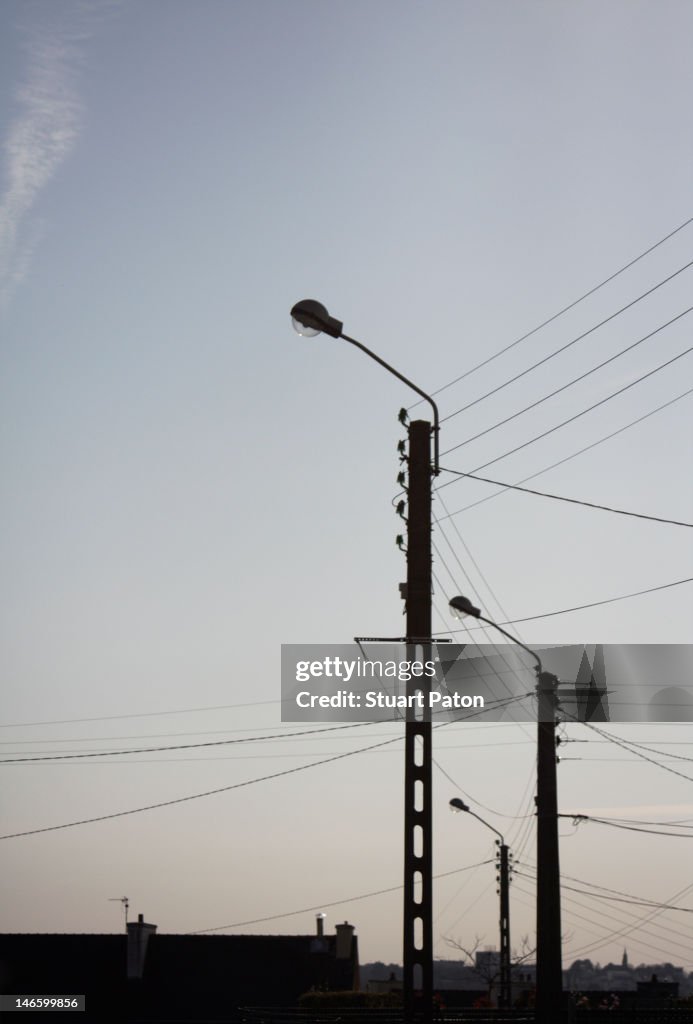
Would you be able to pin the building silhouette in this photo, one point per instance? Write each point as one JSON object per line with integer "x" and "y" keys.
{"x": 146, "y": 975}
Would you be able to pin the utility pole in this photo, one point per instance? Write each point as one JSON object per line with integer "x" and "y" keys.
{"x": 310, "y": 318}
{"x": 549, "y": 959}
{"x": 418, "y": 860}
{"x": 505, "y": 999}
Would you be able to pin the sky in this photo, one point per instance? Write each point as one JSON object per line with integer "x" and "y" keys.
{"x": 188, "y": 484}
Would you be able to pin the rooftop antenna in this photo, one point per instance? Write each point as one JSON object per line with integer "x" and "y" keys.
{"x": 126, "y": 904}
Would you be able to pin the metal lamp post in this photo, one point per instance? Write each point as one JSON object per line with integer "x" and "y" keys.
{"x": 311, "y": 318}
{"x": 504, "y": 879}
{"x": 549, "y": 961}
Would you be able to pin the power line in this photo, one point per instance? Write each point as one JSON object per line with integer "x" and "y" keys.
{"x": 580, "y": 607}
{"x": 198, "y": 796}
{"x": 653, "y": 750}
{"x": 657, "y": 906}
{"x": 142, "y": 714}
{"x": 565, "y": 309}
{"x": 627, "y": 929}
{"x": 641, "y": 920}
{"x": 647, "y": 831}
{"x": 680, "y": 823}
{"x": 469, "y": 554}
{"x": 571, "y": 419}
{"x": 574, "y": 455}
{"x": 563, "y": 348}
{"x": 631, "y": 750}
{"x": 281, "y": 737}
{"x": 478, "y": 803}
{"x": 184, "y": 746}
{"x": 559, "y": 497}
{"x": 624, "y": 927}
{"x": 273, "y": 757}
{"x": 498, "y": 649}
{"x": 606, "y": 888}
{"x": 575, "y": 380}
{"x": 579, "y": 818}
{"x": 332, "y": 903}
{"x": 241, "y": 785}
{"x": 634, "y": 901}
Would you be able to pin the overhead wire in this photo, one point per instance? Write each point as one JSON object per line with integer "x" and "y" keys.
{"x": 574, "y": 455}
{"x": 569, "y": 384}
{"x": 489, "y": 639}
{"x": 140, "y": 714}
{"x": 649, "y": 904}
{"x": 591, "y": 604}
{"x": 622, "y": 915}
{"x": 560, "y": 497}
{"x": 640, "y": 923}
{"x": 629, "y": 828}
{"x": 571, "y": 419}
{"x": 562, "y": 311}
{"x": 331, "y": 903}
{"x": 631, "y": 750}
{"x": 568, "y": 345}
{"x": 185, "y": 746}
{"x": 624, "y": 927}
{"x": 236, "y": 785}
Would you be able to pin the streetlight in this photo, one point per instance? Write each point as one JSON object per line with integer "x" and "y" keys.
{"x": 311, "y": 318}
{"x": 549, "y": 960}
{"x": 462, "y": 608}
{"x": 505, "y": 991}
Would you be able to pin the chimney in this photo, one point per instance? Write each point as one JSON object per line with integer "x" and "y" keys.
{"x": 320, "y": 925}
{"x": 345, "y": 937}
{"x": 138, "y": 937}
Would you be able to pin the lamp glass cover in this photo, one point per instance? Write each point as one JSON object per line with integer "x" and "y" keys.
{"x": 307, "y": 332}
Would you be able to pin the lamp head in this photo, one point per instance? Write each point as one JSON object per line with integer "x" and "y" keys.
{"x": 462, "y": 606}
{"x": 310, "y": 318}
{"x": 458, "y": 805}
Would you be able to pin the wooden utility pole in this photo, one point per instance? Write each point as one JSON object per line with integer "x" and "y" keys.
{"x": 549, "y": 958}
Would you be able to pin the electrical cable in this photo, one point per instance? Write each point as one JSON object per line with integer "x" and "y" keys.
{"x": 185, "y": 746}
{"x": 332, "y": 903}
{"x": 579, "y": 818}
{"x": 592, "y": 604}
{"x": 571, "y": 419}
{"x": 236, "y": 785}
{"x": 142, "y": 714}
{"x": 565, "y": 309}
{"x": 574, "y": 455}
{"x": 559, "y": 497}
{"x": 630, "y": 918}
{"x": 570, "y": 383}
{"x": 569, "y": 344}
{"x": 497, "y": 648}
{"x": 630, "y": 750}
{"x": 616, "y": 899}
{"x": 653, "y": 750}
{"x": 655, "y": 905}
{"x": 626, "y": 929}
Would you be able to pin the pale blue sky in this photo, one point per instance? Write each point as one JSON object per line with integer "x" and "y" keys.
{"x": 188, "y": 483}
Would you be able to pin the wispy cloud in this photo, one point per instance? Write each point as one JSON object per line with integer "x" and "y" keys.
{"x": 43, "y": 132}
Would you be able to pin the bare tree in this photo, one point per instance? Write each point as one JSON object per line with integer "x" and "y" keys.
{"x": 488, "y": 970}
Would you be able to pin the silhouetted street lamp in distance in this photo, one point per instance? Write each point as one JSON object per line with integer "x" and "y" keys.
{"x": 462, "y": 607}
{"x": 503, "y": 865}
{"x": 549, "y": 955}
